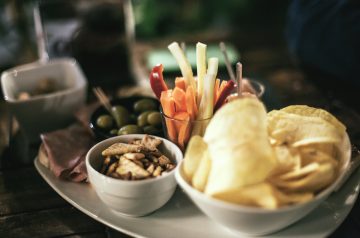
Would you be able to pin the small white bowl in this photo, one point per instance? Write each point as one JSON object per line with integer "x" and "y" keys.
{"x": 246, "y": 220}
{"x": 132, "y": 198}
{"x": 45, "y": 112}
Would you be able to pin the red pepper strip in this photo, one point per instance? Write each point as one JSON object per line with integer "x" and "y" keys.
{"x": 157, "y": 82}
{"x": 224, "y": 94}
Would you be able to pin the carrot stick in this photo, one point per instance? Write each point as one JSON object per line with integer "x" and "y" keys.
{"x": 179, "y": 98}
{"x": 222, "y": 86}
{"x": 183, "y": 127}
{"x": 181, "y": 116}
{"x": 184, "y": 135}
{"x": 167, "y": 103}
{"x": 216, "y": 90}
{"x": 180, "y": 83}
{"x": 230, "y": 85}
{"x": 191, "y": 106}
{"x": 168, "y": 106}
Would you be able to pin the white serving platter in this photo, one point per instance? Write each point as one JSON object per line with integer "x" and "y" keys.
{"x": 181, "y": 218}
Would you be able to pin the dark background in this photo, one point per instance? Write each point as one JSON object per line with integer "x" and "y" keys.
{"x": 93, "y": 32}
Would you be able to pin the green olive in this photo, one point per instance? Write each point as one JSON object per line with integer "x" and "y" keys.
{"x": 121, "y": 115}
{"x": 130, "y": 129}
{"x": 104, "y": 121}
{"x": 152, "y": 130}
{"x": 133, "y": 119}
{"x": 142, "y": 118}
{"x": 154, "y": 118}
{"x": 113, "y": 132}
{"x": 144, "y": 105}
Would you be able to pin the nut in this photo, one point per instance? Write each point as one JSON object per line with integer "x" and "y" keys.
{"x": 134, "y": 156}
{"x": 151, "y": 168}
{"x": 112, "y": 168}
{"x": 124, "y": 161}
{"x": 163, "y": 160}
{"x": 157, "y": 171}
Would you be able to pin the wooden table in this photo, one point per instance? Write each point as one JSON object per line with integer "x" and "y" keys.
{"x": 30, "y": 208}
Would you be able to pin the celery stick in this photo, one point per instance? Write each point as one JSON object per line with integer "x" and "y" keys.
{"x": 206, "y": 105}
{"x": 184, "y": 64}
{"x": 199, "y": 127}
{"x": 207, "y": 101}
{"x": 201, "y": 69}
{"x": 213, "y": 66}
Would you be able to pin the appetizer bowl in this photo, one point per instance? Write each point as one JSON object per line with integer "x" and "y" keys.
{"x": 246, "y": 220}
{"x": 132, "y": 198}
{"x": 50, "y": 109}
{"x": 131, "y": 117}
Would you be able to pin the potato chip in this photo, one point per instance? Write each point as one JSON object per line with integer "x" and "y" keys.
{"x": 313, "y": 182}
{"x": 195, "y": 151}
{"x": 299, "y": 173}
{"x": 316, "y": 141}
{"x": 319, "y": 153}
{"x": 304, "y": 110}
{"x": 288, "y": 159}
{"x": 239, "y": 147}
{"x": 263, "y": 195}
{"x": 200, "y": 177}
{"x": 287, "y": 128}
{"x": 294, "y": 198}
{"x": 324, "y": 148}
{"x": 268, "y": 160}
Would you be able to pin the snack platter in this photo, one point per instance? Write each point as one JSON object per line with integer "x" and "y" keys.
{"x": 181, "y": 218}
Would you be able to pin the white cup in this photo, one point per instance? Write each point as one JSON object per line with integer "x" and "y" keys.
{"x": 45, "y": 112}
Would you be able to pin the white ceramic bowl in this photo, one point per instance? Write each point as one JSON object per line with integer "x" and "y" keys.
{"x": 246, "y": 220}
{"x": 45, "y": 112}
{"x": 132, "y": 198}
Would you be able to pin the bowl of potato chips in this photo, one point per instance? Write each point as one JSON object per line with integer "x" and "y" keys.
{"x": 256, "y": 173}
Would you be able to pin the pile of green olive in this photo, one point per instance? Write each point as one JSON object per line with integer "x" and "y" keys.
{"x": 143, "y": 117}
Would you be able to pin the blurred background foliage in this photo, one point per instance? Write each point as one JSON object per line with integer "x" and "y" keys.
{"x": 154, "y": 18}
{"x": 158, "y": 18}
{"x": 91, "y": 43}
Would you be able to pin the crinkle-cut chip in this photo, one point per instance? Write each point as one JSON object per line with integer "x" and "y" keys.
{"x": 240, "y": 151}
{"x": 263, "y": 195}
{"x": 200, "y": 177}
{"x": 288, "y": 159}
{"x": 288, "y": 128}
{"x": 126, "y": 166}
{"x": 196, "y": 148}
{"x": 313, "y": 182}
{"x": 304, "y": 110}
